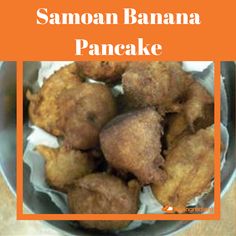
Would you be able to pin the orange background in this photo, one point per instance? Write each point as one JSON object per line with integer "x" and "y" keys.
{"x": 22, "y": 216}
{"x": 22, "y": 39}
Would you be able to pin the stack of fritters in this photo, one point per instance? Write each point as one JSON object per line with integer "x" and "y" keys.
{"x": 158, "y": 136}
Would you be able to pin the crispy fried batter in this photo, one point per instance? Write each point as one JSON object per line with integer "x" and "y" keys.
{"x": 101, "y": 193}
{"x": 206, "y": 119}
{"x": 178, "y": 125}
{"x": 64, "y": 166}
{"x": 155, "y": 84}
{"x": 131, "y": 142}
{"x": 177, "y": 128}
{"x": 190, "y": 168}
{"x": 84, "y": 111}
{"x": 43, "y": 110}
{"x": 196, "y": 99}
{"x": 107, "y": 71}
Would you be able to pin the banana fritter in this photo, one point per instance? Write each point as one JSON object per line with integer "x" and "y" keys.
{"x": 158, "y": 84}
{"x": 178, "y": 125}
{"x": 101, "y": 193}
{"x": 190, "y": 168}
{"x": 128, "y": 145}
{"x": 84, "y": 111}
{"x": 107, "y": 71}
{"x": 43, "y": 109}
{"x": 197, "y": 98}
{"x": 63, "y": 167}
{"x": 131, "y": 143}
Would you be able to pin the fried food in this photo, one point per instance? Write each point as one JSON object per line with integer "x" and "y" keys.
{"x": 178, "y": 125}
{"x": 161, "y": 136}
{"x": 177, "y": 128}
{"x": 84, "y": 111}
{"x": 197, "y": 98}
{"x": 190, "y": 168}
{"x": 206, "y": 119}
{"x": 101, "y": 193}
{"x": 107, "y": 71}
{"x": 63, "y": 167}
{"x": 158, "y": 84}
{"x": 197, "y": 112}
{"x": 131, "y": 143}
{"x": 43, "y": 109}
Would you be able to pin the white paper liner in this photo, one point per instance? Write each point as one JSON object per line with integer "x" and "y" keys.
{"x": 48, "y": 68}
{"x": 36, "y": 163}
{"x": 202, "y": 71}
{"x": 198, "y": 66}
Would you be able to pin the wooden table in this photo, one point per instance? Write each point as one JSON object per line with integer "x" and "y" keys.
{"x": 9, "y": 226}
{"x": 226, "y": 226}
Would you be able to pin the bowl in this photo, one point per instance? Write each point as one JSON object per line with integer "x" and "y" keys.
{"x": 40, "y": 203}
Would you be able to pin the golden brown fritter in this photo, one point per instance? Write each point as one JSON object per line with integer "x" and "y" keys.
{"x": 197, "y": 98}
{"x": 83, "y": 112}
{"x": 43, "y": 110}
{"x": 178, "y": 125}
{"x": 206, "y": 119}
{"x": 131, "y": 143}
{"x": 101, "y": 193}
{"x": 158, "y": 84}
{"x": 107, "y": 71}
{"x": 190, "y": 168}
{"x": 177, "y": 128}
{"x": 63, "y": 167}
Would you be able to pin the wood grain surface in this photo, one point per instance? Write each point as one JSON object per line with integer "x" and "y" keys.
{"x": 9, "y": 226}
